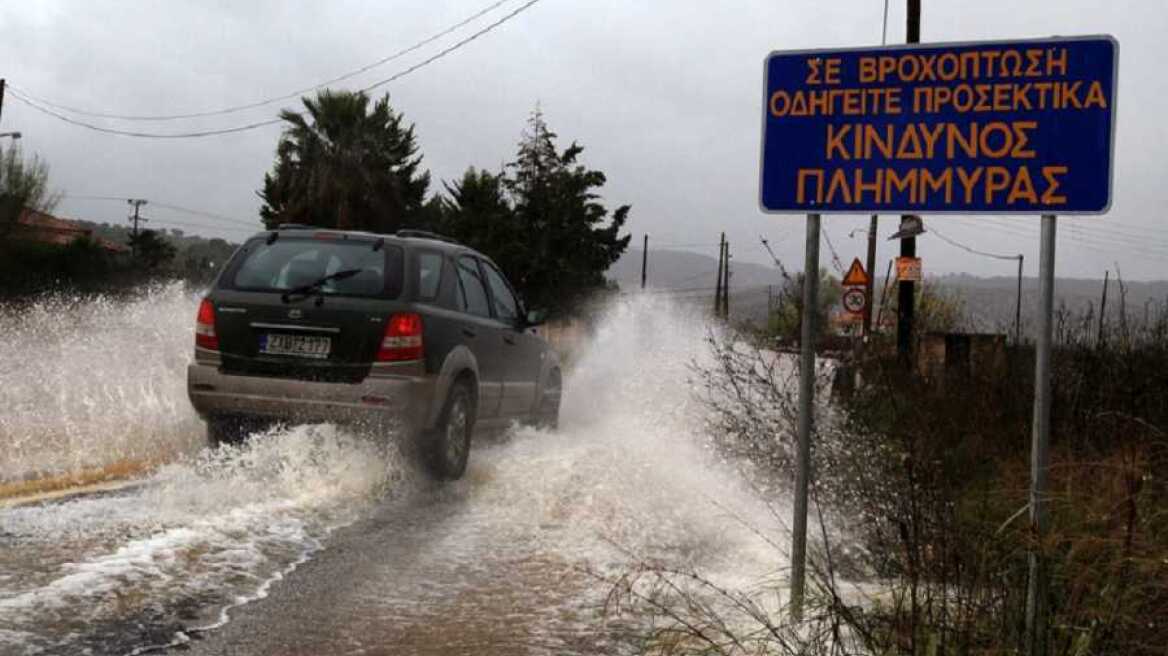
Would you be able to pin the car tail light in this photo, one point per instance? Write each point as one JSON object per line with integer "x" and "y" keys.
{"x": 403, "y": 338}
{"x": 205, "y": 336}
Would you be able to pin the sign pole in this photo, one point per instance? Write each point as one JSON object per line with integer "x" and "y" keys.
{"x": 806, "y": 408}
{"x": 1036, "y": 590}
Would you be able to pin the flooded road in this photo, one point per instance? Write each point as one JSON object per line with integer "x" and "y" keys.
{"x": 313, "y": 539}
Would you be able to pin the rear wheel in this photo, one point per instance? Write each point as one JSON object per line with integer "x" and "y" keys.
{"x": 225, "y": 430}
{"x": 233, "y": 429}
{"x": 449, "y": 445}
{"x": 548, "y": 414}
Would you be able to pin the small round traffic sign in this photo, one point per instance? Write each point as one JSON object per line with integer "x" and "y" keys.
{"x": 855, "y": 300}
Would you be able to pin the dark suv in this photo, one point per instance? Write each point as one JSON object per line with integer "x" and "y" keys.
{"x": 409, "y": 331}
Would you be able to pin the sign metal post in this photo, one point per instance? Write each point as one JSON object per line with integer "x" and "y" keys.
{"x": 1036, "y": 592}
{"x": 806, "y": 414}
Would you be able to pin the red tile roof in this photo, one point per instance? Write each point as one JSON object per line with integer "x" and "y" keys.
{"x": 48, "y": 229}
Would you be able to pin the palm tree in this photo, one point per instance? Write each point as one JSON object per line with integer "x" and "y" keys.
{"x": 341, "y": 165}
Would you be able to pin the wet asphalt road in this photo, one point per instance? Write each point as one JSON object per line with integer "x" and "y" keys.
{"x": 427, "y": 574}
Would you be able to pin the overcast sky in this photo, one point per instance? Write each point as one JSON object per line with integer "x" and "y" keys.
{"x": 665, "y": 96}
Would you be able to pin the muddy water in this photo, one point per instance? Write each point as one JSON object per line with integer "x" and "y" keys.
{"x": 314, "y": 540}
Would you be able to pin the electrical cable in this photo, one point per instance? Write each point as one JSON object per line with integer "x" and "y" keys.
{"x": 259, "y": 124}
{"x": 177, "y": 208}
{"x": 839, "y": 267}
{"x": 267, "y": 101}
{"x": 969, "y": 249}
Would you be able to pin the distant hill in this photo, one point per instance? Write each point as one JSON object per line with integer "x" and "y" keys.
{"x": 989, "y": 302}
{"x": 686, "y": 270}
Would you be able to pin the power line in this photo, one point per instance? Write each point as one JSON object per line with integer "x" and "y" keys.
{"x": 1127, "y": 248}
{"x": 834, "y": 255}
{"x": 176, "y": 208}
{"x": 186, "y": 224}
{"x": 275, "y": 99}
{"x": 778, "y": 263}
{"x": 144, "y": 135}
{"x": 259, "y": 124}
{"x": 209, "y": 215}
{"x": 971, "y": 250}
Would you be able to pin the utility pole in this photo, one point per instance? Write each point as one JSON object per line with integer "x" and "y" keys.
{"x": 726, "y": 282}
{"x": 908, "y": 246}
{"x": 1018, "y": 306}
{"x": 1100, "y": 338}
{"x": 3, "y": 82}
{"x": 137, "y": 203}
{"x": 644, "y": 261}
{"x": 718, "y": 288}
{"x": 871, "y": 275}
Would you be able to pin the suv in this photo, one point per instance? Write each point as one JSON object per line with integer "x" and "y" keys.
{"x": 409, "y": 330}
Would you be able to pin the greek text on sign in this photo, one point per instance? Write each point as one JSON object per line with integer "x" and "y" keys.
{"x": 1022, "y": 127}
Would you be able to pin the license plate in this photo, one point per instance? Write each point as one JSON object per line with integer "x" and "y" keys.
{"x": 305, "y": 346}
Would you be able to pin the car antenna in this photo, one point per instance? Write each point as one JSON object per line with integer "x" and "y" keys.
{"x": 378, "y": 244}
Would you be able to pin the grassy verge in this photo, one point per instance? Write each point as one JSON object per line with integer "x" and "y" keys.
{"x": 15, "y": 491}
{"x": 928, "y": 480}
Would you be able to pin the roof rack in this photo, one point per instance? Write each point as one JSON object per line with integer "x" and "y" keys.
{"x": 425, "y": 234}
{"x": 295, "y": 226}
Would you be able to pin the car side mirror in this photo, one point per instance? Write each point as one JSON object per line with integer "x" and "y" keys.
{"x": 536, "y": 317}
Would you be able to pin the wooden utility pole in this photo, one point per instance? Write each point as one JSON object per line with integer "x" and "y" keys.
{"x": 718, "y": 287}
{"x": 1018, "y": 306}
{"x": 726, "y": 280}
{"x": 2, "y": 84}
{"x": 1100, "y": 337}
{"x": 645, "y": 261}
{"x": 908, "y": 246}
{"x": 871, "y": 275}
{"x": 137, "y": 203}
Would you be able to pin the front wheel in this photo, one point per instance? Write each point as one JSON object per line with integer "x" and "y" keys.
{"x": 449, "y": 446}
{"x": 548, "y": 414}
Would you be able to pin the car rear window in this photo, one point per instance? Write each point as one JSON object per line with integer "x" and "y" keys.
{"x": 292, "y": 262}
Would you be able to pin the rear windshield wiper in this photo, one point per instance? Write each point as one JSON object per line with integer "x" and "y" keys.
{"x": 306, "y": 290}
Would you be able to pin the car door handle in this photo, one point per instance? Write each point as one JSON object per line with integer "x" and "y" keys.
{"x": 509, "y": 339}
{"x": 467, "y": 332}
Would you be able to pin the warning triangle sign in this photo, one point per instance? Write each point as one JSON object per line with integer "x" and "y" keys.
{"x": 856, "y": 276}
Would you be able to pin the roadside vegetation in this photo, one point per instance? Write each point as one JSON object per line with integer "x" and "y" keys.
{"x": 921, "y": 489}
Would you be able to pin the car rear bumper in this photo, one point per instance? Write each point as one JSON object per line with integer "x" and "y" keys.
{"x": 385, "y": 399}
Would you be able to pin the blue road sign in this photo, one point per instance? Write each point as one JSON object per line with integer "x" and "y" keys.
{"x": 1011, "y": 127}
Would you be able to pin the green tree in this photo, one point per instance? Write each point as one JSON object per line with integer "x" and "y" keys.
{"x": 151, "y": 249}
{"x": 478, "y": 212}
{"x": 23, "y": 183}
{"x": 786, "y": 319}
{"x": 342, "y": 164}
{"x": 541, "y": 220}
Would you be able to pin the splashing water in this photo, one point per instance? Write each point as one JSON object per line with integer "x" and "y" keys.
{"x": 90, "y": 381}
{"x": 627, "y": 473}
{"x": 196, "y": 539}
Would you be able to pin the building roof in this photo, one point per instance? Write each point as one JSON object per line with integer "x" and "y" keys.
{"x": 44, "y": 228}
